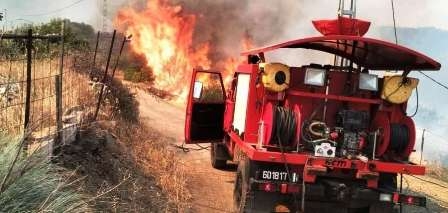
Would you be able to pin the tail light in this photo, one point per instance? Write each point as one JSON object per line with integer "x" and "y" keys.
{"x": 409, "y": 199}
{"x": 412, "y": 200}
{"x": 284, "y": 188}
{"x": 268, "y": 187}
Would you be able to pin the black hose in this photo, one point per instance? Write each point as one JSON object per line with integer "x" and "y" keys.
{"x": 399, "y": 137}
{"x": 285, "y": 126}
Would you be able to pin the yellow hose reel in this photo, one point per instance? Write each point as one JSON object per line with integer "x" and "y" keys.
{"x": 275, "y": 76}
{"x": 398, "y": 89}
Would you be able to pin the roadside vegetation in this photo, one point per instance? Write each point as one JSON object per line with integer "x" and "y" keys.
{"x": 115, "y": 164}
{"x": 437, "y": 170}
{"x": 32, "y": 183}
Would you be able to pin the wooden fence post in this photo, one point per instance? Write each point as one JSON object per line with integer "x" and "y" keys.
{"x": 59, "y": 134}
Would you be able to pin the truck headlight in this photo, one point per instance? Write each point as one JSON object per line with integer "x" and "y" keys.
{"x": 315, "y": 77}
{"x": 368, "y": 82}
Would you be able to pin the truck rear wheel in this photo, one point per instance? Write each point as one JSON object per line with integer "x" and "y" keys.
{"x": 387, "y": 182}
{"x": 215, "y": 153}
{"x": 247, "y": 199}
{"x": 241, "y": 191}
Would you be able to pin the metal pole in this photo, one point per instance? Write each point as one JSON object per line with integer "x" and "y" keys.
{"x": 93, "y": 65}
{"x": 421, "y": 146}
{"x": 401, "y": 191}
{"x": 104, "y": 77}
{"x": 374, "y": 144}
{"x": 29, "y": 46}
{"x": 61, "y": 64}
{"x": 58, "y": 88}
{"x": 119, "y": 55}
{"x": 59, "y": 135}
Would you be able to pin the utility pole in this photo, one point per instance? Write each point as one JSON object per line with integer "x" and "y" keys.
{"x": 105, "y": 12}
{"x": 4, "y": 19}
{"x": 422, "y": 145}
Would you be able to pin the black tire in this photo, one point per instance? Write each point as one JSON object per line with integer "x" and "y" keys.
{"x": 217, "y": 163}
{"x": 382, "y": 208}
{"x": 387, "y": 182}
{"x": 246, "y": 200}
{"x": 241, "y": 191}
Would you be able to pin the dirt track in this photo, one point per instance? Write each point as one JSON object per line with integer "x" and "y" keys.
{"x": 212, "y": 189}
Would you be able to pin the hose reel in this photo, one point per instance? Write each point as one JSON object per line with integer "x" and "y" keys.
{"x": 280, "y": 123}
{"x": 398, "y": 89}
{"x": 275, "y": 76}
{"x": 399, "y": 137}
{"x": 396, "y": 137}
{"x": 284, "y": 127}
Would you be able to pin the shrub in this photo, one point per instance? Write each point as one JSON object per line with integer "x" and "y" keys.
{"x": 33, "y": 184}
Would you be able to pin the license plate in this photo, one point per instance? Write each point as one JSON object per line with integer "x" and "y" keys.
{"x": 277, "y": 175}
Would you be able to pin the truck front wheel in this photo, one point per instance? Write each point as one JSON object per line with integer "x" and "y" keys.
{"x": 216, "y": 156}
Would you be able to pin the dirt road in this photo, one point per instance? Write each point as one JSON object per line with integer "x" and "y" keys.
{"x": 212, "y": 190}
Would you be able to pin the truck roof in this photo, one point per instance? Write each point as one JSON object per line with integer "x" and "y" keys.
{"x": 370, "y": 53}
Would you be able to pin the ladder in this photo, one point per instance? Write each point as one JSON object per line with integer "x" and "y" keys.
{"x": 347, "y": 10}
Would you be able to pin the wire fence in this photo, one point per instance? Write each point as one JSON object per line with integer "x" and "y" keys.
{"x": 50, "y": 88}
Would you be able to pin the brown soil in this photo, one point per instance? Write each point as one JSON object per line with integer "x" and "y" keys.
{"x": 211, "y": 189}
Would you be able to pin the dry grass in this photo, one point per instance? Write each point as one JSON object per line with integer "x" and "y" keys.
{"x": 151, "y": 153}
{"x": 436, "y": 170}
{"x": 76, "y": 92}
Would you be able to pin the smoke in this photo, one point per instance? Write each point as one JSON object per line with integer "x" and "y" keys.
{"x": 225, "y": 23}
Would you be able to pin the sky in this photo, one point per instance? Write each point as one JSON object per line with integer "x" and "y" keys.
{"x": 423, "y": 26}
{"x": 409, "y": 13}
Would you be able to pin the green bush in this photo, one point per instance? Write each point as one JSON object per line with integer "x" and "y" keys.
{"x": 135, "y": 75}
{"x": 33, "y": 184}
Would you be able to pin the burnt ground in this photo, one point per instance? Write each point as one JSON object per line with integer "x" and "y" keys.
{"x": 108, "y": 172}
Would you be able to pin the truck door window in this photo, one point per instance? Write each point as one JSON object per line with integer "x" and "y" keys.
{"x": 207, "y": 88}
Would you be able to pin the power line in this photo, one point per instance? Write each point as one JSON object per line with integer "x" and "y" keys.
{"x": 434, "y": 80}
{"x": 393, "y": 17}
{"x": 57, "y": 10}
{"x": 396, "y": 41}
{"x": 433, "y": 135}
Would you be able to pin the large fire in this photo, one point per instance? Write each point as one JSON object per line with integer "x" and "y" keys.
{"x": 163, "y": 34}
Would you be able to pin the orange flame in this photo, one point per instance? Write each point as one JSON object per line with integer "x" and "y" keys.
{"x": 163, "y": 34}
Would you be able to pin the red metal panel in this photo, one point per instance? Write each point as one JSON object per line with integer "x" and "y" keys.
{"x": 303, "y": 158}
{"x": 334, "y": 97}
{"x": 342, "y": 26}
{"x": 253, "y": 113}
{"x": 228, "y": 114}
{"x": 189, "y": 108}
{"x": 370, "y": 53}
{"x": 390, "y": 167}
{"x": 190, "y": 103}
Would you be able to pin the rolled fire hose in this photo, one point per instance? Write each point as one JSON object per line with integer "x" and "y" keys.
{"x": 398, "y": 89}
{"x": 275, "y": 76}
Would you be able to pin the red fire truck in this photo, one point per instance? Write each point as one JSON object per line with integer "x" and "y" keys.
{"x": 317, "y": 137}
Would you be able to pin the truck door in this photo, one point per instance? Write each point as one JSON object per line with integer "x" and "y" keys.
{"x": 205, "y": 108}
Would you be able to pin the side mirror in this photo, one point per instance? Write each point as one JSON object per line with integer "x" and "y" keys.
{"x": 197, "y": 90}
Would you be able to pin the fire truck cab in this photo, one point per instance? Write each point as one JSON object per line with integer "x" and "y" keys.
{"x": 318, "y": 137}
